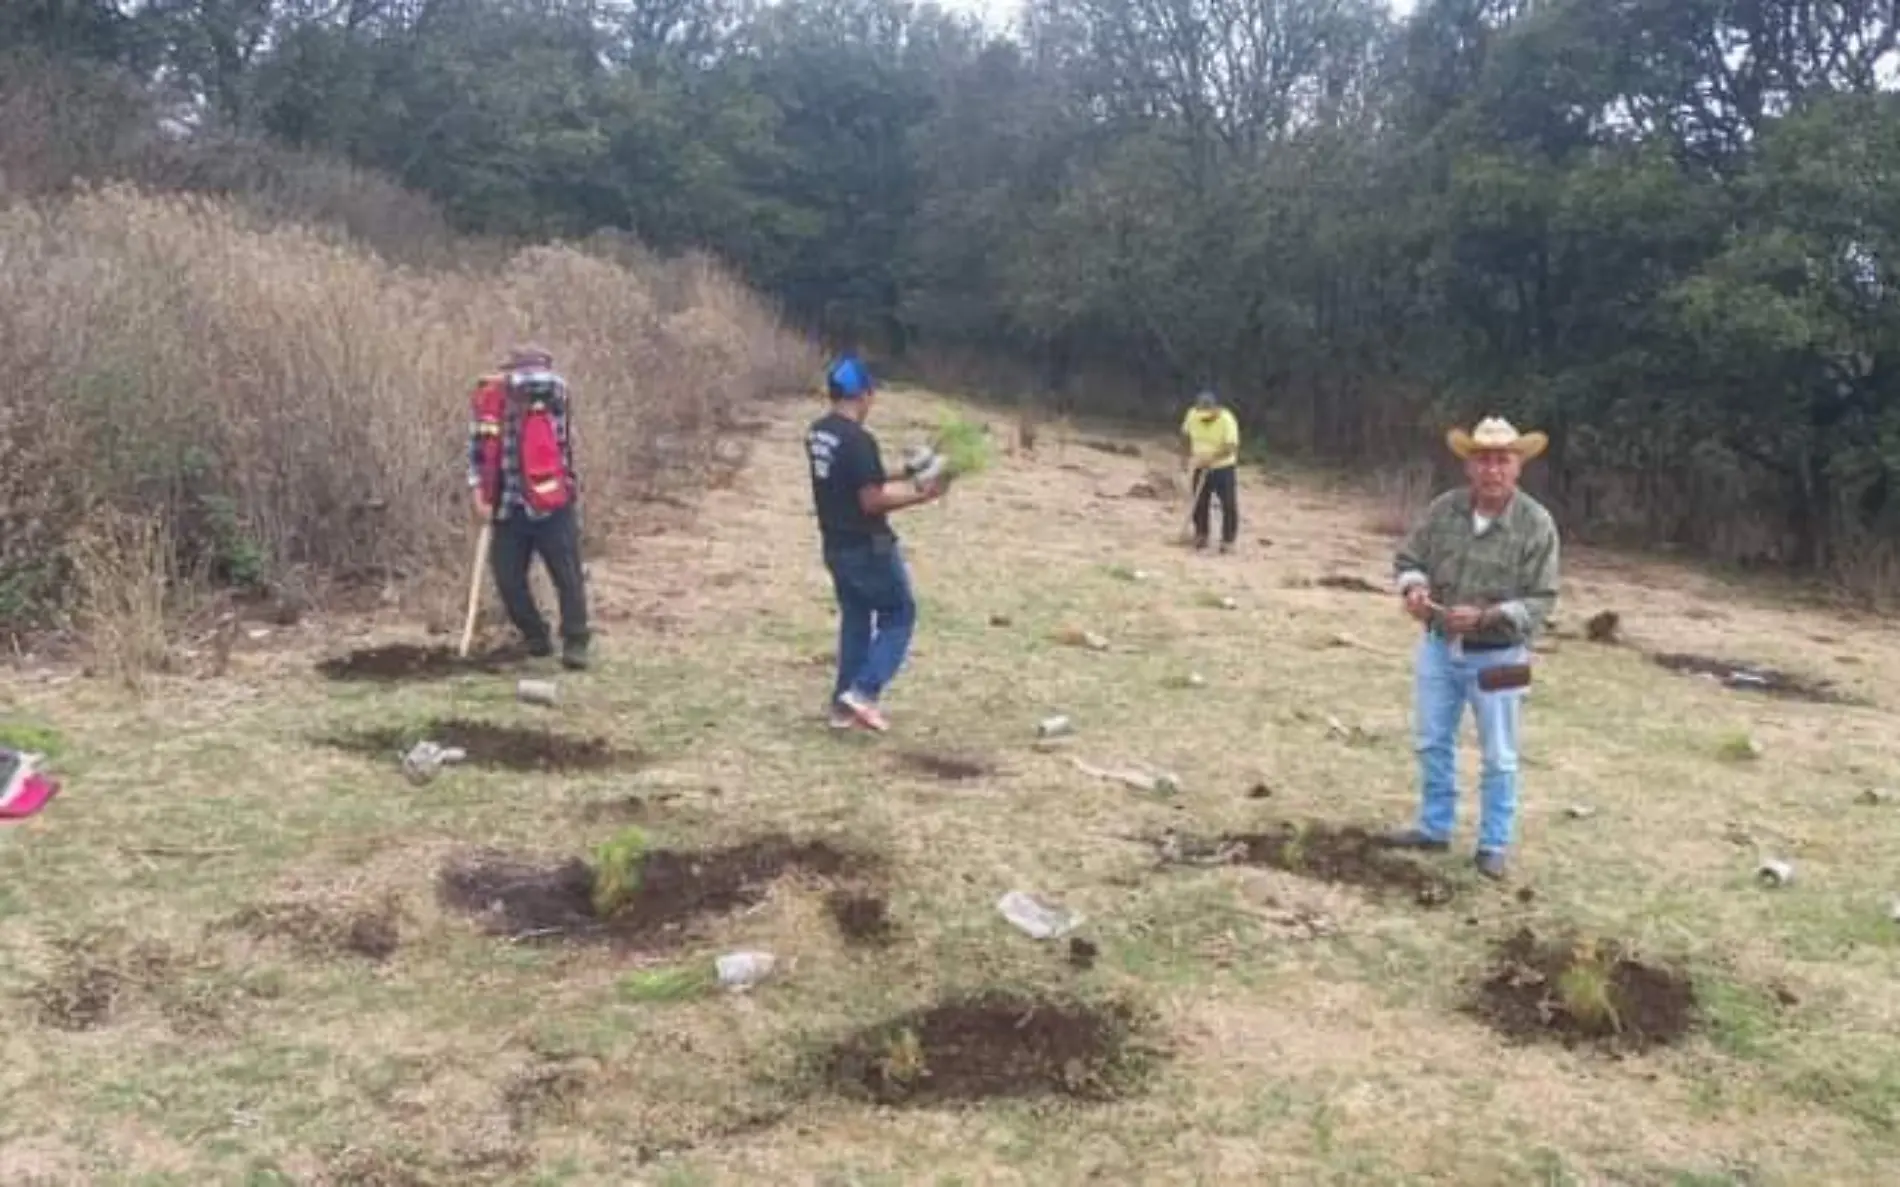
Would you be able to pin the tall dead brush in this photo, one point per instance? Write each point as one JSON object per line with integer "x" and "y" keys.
{"x": 1401, "y": 495}
{"x": 124, "y": 573}
{"x": 283, "y": 401}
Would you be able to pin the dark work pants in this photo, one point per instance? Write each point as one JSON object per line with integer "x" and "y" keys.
{"x": 557, "y": 541}
{"x": 1217, "y": 483}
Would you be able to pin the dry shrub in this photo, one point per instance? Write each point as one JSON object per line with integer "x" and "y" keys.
{"x": 123, "y": 570}
{"x": 1402, "y": 495}
{"x": 281, "y": 401}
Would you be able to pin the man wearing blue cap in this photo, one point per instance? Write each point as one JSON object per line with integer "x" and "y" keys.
{"x": 1212, "y": 437}
{"x": 853, "y": 498}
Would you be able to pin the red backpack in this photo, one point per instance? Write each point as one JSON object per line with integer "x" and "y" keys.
{"x": 546, "y": 485}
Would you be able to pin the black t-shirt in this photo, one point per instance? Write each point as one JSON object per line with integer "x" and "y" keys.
{"x": 844, "y": 460}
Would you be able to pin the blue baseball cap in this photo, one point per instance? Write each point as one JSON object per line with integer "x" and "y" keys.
{"x": 850, "y": 380}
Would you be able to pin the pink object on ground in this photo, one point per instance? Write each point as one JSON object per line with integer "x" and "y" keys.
{"x": 24, "y": 788}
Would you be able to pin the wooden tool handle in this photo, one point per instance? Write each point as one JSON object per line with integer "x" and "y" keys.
{"x": 475, "y": 588}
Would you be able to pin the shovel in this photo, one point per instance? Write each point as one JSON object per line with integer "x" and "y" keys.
{"x": 1194, "y": 500}
{"x": 475, "y": 588}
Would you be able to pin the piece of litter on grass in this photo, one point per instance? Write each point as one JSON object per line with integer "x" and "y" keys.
{"x": 1580, "y": 811}
{"x": 1054, "y": 727}
{"x": 538, "y": 692}
{"x": 1878, "y": 795}
{"x": 1775, "y": 873}
{"x": 1151, "y": 782}
{"x": 1229, "y": 604}
{"x": 426, "y": 759}
{"x": 1094, "y": 642}
{"x": 1037, "y": 919}
{"x": 1196, "y": 680}
{"x": 740, "y": 971}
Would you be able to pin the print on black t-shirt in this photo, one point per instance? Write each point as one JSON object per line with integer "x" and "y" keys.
{"x": 844, "y": 460}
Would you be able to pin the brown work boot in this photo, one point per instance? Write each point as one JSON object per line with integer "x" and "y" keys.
{"x": 1411, "y": 838}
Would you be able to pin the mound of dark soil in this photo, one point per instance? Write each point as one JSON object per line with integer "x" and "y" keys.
{"x": 504, "y": 747}
{"x": 398, "y": 662}
{"x": 326, "y": 932}
{"x": 1575, "y": 992}
{"x": 862, "y": 917}
{"x": 993, "y": 1044}
{"x": 534, "y": 901}
{"x": 1348, "y": 856}
{"x": 1755, "y": 678}
{"x": 947, "y": 766}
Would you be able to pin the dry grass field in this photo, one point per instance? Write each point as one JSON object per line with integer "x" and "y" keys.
{"x": 243, "y": 948}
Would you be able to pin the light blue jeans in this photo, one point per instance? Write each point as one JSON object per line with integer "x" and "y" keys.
{"x": 1445, "y": 684}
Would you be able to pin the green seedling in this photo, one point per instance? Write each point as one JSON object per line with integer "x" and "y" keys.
{"x": 1739, "y": 748}
{"x": 964, "y": 446}
{"x": 617, "y": 869}
{"x": 1587, "y": 991}
{"x": 1293, "y": 849}
{"x": 903, "y": 1061}
{"x": 670, "y": 984}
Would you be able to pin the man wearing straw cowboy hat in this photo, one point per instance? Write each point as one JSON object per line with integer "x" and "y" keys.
{"x": 1479, "y": 574}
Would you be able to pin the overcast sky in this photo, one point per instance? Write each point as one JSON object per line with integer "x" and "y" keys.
{"x": 997, "y": 13}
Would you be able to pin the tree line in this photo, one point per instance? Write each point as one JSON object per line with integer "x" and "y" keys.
{"x": 1664, "y": 230}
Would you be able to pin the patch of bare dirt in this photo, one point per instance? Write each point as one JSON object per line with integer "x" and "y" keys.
{"x": 1342, "y": 583}
{"x": 399, "y": 662}
{"x": 504, "y": 747}
{"x": 625, "y": 808}
{"x": 529, "y": 900}
{"x": 948, "y": 766}
{"x": 1583, "y": 991}
{"x": 862, "y": 917}
{"x": 360, "y": 1166}
{"x": 542, "y": 1092}
{"x": 327, "y": 932}
{"x": 1756, "y": 678}
{"x": 1347, "y": 856}
{"x": 95, "y": 972}
{"x": 995, "y": 1044}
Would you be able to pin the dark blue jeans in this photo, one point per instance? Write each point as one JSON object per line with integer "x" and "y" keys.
{"x": 877, "y": 614}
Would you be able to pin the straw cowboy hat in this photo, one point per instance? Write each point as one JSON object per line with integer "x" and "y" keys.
{"x": 1495, "y": 433}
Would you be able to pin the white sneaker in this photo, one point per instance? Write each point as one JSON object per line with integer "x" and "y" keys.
{"x": 864, "y": 710}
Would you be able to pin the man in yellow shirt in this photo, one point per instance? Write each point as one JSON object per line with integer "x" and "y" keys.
{"x": 1212, "y": 439}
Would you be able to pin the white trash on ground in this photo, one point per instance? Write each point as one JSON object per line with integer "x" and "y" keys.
{"x": 1037, "y": 919}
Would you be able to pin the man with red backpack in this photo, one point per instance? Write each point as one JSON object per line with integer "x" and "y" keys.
{"x": 522, "y": 478}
